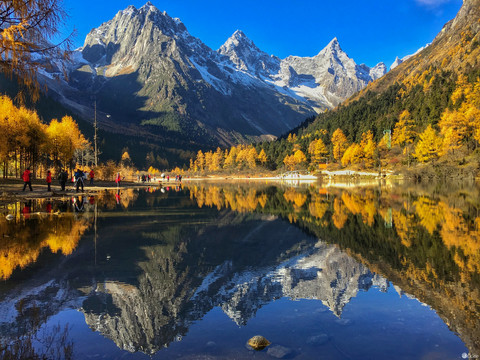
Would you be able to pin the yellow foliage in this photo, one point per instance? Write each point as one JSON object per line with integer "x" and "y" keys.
{"x": 364, "y": 206}
{"x": 295, "y": 160}
{"x": 60, "y": 234}
{"x": 429, "y": 212}
{"x": 340, "y": 144}
{"x": 403, "y": 132}
{"x": 353, "y": 155}
{"x": 295, "y": 197}
{"x": 318, "y": 151}
{"x": 429, "y": 145}
{"x": 318, "y": 206}
{"x": 340, "y": 215}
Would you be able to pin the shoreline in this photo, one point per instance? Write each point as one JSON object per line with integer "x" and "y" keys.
{"x": 11, "y": 189}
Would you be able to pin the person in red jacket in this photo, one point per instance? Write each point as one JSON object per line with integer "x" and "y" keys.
{"x": 92, "y": 176}
{"x": 49, "y": 180}
{"x": 118, "y": 179}
{"x": 27, "y": 179}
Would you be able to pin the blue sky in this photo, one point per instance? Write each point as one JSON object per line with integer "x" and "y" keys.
{"x": 369, "y": 31}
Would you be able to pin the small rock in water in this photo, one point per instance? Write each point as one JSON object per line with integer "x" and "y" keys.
{"x": 258, "y": 342}
{"x": 279, "y": 352}
{"x": 317, "y": 339}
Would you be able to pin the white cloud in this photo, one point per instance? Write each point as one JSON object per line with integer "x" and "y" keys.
{"x": 432, "y": 3}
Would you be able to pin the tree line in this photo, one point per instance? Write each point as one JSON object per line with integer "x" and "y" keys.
{"x": 29, "y": 142}
{"x": 434, "y": 116}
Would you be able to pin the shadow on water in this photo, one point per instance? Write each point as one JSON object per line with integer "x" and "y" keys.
{"x": 145, "y": 267}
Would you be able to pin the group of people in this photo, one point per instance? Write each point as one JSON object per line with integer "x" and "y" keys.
{"x": 79, "y": 178}
{"x": 147, "y": 178}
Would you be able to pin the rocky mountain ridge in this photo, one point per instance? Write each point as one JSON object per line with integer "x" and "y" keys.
{"x": 145, "y": 69}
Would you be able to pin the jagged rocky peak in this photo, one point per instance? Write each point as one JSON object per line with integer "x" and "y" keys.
{"x": 397, "y": 62}
{"x": 238, "y": 39}
{"x": 378, "y": 71}
{"x": 333, "y": 49}
{"x": 246, "y": 56}
{"x": 334, "y": 45}
{"x": 125, "y": 28}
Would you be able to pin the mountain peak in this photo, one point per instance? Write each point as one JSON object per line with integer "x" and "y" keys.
{"x": 238, "y": 38}
{"x": 130, "y": 10}
{"x": 148, "y": 4}
{"x": 239, "y": 34}
{"x": 238, "y": 41}
{"x": 246, "y": 55}
{"x": 334, "y": 43}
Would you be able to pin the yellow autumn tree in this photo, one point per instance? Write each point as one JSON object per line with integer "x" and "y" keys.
{"x": 296, "y": 160}
{"x": 199, "y": 164}
{"x": 353, "y": 155}
{"x": 64, "y": 138}
{"x": 26, "y": 28}
{"x": 340, "y": 144}
{"x": 126, "y": 160}
{"x": 262, "y": 157}
{"x": 217, "y": 160}
{"x": 368, "y": 147}
{"x": 230, "y": 158}
{"x": 429, "y": 145}
{"x": 318, "y": 152}
{"x": 404, "y": 130}
{"x": 252, "y": 156}
{"x": 462, "y": 125}
{"x": 208, "y": 160}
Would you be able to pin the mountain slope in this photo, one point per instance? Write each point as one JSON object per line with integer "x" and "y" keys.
{"x": 455, "y": 48}
{"x": 423, "y": 84}
{"x": 153, "y": 77}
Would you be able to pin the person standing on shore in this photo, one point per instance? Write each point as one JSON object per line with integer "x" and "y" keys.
{"x": 63, "y": 177}
{"x": 92, "y": 176}
{"x": 118, "y": 178}
{"x": 49, "y": 180}
{"x": 79, "y": 176}
{"x": 27, "y": 179}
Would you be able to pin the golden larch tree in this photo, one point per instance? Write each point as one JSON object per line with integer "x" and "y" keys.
{"x": 26, "y": 28}
{"x": 429, "y": 145}
{"x": 340, "y": 144}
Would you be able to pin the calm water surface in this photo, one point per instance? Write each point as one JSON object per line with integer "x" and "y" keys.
{"x": 193, "y": 272}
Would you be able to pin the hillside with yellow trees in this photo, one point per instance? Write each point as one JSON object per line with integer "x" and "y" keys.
{"x": 423, "y": 115}
{"x": 425, "y": 111}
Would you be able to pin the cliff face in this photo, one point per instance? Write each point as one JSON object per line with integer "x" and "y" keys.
{"x": 147, "y": 71}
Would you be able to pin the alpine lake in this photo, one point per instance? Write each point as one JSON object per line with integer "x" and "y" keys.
{"x": 193, "y": 271}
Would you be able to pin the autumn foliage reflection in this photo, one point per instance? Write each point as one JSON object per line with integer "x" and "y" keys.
{"x": 416, "y": 221}
{"x": 28, "y": 235}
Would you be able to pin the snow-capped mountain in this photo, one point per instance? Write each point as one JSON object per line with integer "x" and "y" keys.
{"x": 147, "y": 71}
{"x": 398, "y": 61}
{"x": 324, "y": 80}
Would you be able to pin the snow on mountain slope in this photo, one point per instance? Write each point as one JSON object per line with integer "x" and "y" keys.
{"x": 398, "y": 61}
{"x": 147, "y": 62}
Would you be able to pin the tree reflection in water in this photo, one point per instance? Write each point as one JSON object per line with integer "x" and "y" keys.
{"x": 163, "y": 260}
{"x": 427, "y": 245}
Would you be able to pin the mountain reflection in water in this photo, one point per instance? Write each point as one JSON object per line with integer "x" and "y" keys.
{"x": 144, "y": 267}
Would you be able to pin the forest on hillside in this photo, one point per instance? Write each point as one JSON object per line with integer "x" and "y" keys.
{"x": 434, "y": 117}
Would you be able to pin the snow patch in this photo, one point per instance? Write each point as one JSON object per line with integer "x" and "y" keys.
{"x": 217, "y": 84}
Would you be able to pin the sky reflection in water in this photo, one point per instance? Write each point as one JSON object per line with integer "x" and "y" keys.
{"x": 198, "y": 271}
